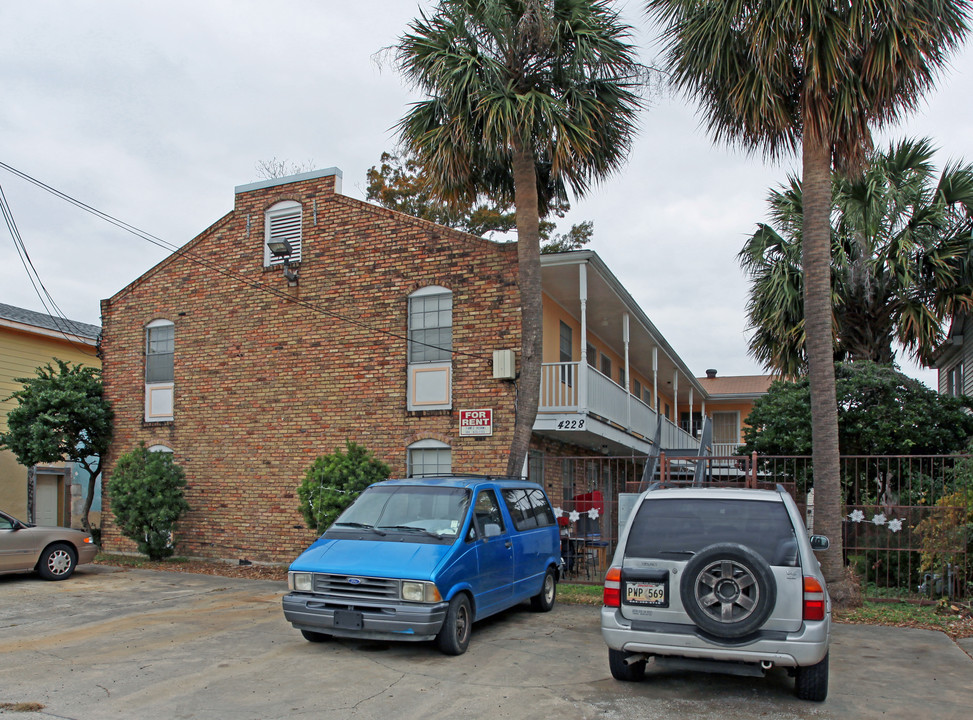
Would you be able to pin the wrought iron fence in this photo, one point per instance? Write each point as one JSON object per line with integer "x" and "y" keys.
{"x": 907, "y": 520}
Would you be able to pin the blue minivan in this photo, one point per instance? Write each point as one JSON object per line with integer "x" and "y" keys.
{"x": 424, "y": 558}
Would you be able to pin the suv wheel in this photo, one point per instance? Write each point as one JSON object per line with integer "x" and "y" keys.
{"x": 811, "y": 682}
{"x": 728, "y": 590}
{"x": 622, "y": 670}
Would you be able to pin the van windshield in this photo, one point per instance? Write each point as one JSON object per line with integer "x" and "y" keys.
{"x": 436, "y": 512}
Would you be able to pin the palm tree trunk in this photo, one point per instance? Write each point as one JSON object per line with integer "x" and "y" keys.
{"x": 529, "y": 280}
{"x": 816, "y": 261}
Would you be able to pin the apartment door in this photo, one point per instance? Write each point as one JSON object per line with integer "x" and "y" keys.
{"x": 48, "y": 509}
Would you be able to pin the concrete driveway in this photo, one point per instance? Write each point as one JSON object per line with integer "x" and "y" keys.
{"x": 143, "y": 644}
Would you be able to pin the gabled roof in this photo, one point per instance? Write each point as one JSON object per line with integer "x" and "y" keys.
{"x": 737, "y": 385}
{"x": 39, "y": 323}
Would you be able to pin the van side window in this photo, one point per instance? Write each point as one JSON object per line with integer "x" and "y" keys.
{"x": 486, "y": 515}
{"x": 520, "y": 509}
{"x": 541, "y": 508}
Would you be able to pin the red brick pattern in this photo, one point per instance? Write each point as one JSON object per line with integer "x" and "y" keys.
{"x": 264, "y": 382}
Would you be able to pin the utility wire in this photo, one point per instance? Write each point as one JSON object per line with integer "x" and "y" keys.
{"x": 62, "y": 324}
{"x": 225, "y": 271}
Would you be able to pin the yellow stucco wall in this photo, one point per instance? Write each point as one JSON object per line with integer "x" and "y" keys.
{"x": 20, "y": 354}
{"x": 554, "y": 315}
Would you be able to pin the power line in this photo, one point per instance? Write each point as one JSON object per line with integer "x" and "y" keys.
{"x": 43, "y": 294}
{"x": 225, "y": 271}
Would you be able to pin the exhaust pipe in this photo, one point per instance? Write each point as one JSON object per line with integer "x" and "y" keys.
{"x": 637, "y": 657}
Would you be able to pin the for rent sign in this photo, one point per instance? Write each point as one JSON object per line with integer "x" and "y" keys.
{"x": 476, "y": 422}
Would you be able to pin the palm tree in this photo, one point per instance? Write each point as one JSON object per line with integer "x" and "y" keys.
{"x": 900, "y": 261}
{"x": 525, "y": 98}
{"x": 776, "y": 75}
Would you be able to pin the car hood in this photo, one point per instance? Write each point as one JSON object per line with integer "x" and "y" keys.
{"x": 415, "y": 561}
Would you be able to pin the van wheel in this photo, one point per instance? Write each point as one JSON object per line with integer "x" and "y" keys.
{"x": 454, "y": 636}
{"x": 544, "y": 600}
{"x": 312, "y": 636}
{"x": 623, "y": 671}
{"x": 811, "y": 682}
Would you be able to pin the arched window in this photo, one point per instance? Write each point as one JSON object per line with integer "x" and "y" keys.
{"x": 430, "y": 349}
{"x": 429, "y": 458}
{"x": 160, "y": 345}
{"x": 283, "y": 222}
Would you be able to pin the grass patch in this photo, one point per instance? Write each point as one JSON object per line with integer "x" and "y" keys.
{"x": 954, "y": 619}
{"x": 23, "y": 707}
{"x": 572, "y": 594}
{"x": 136, "y": 561}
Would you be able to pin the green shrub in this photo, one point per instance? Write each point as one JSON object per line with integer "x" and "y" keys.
{"x": 334, "y": 481}
{"x": 147, "y": 500}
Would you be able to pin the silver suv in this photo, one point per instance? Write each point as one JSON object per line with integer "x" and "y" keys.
{"x": 718, "y": 580}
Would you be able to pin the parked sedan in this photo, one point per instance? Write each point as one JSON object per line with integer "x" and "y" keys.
{"x": 53, "y": 552}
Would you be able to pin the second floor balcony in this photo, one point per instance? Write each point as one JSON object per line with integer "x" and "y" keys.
{"x": 580, "y": 398}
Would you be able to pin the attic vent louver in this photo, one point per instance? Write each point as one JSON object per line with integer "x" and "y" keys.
{"x": 283, "y": 222}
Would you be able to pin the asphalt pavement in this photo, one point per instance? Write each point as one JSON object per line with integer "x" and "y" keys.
{"x": 112, "y": 643}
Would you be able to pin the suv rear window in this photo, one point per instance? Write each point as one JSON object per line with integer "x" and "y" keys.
{"x": 674, "y": 528}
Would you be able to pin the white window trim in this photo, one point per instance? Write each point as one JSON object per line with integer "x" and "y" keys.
{"x": 159, "y": 396}
{"x": 441, "y": 368}
{"x": 426, "y": 444}
{"x": 283, "y": 209}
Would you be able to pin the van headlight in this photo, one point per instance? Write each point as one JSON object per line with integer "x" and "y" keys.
{"x": 299, "y": 581}
{"x": 414, "y": 591}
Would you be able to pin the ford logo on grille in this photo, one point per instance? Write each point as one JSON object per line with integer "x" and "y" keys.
{"x": 354, "y": 581}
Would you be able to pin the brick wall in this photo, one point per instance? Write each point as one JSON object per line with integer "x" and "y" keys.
{"x": 265, "y": 381}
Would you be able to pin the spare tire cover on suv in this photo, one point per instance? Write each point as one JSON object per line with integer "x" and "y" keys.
{"x": 728, "y": 590}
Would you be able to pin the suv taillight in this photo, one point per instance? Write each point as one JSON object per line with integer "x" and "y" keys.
{"x": 613, "y": 588}
{"x": 813, "y": 599}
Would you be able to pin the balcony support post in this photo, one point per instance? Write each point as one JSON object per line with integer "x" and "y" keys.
{"x": 628, "y": 377}
{"x": 583, "y": 365}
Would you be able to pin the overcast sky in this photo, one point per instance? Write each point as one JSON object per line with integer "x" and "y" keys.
{"x": 153, "y": 111}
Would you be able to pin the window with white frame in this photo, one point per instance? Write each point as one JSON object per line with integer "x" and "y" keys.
{"x": 429, "y": 458}
{"x": 160, "y": 345}
{"x": 726, "y": 427}
{"x": 430, "y": 349}
{"x": 955, "y": 381}
{"x": 283, "y": 222}
{"x": 565, "y": 346}
{"x": 606, "y": 366}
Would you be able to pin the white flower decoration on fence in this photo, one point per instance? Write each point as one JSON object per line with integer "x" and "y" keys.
{"x": 879, "y": 519}
{"x": 593, "y": 513}
{"x": 574, "y": 516}
{"x": 558, "y": 512}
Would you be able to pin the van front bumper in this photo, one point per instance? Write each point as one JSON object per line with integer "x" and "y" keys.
{"x": 369, "y": 621}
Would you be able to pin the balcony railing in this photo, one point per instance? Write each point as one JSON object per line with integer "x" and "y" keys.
{"x": 570, "y": 388}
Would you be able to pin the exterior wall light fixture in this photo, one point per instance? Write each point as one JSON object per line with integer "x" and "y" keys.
{"x": 280, "y": 248}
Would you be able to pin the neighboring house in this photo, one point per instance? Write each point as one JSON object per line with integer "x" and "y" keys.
{"x": 954, "y": 358}
{"x": 730, "y": 401}
{"x": 380, "y": 328}
{"x": 50, "y": 494}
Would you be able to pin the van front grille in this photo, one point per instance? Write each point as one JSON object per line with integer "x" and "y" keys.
{"x": 356, "y": 587}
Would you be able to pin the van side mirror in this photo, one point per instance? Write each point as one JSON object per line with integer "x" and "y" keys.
{"x": 820, "y": 542}
{"x": 491, "y": 530}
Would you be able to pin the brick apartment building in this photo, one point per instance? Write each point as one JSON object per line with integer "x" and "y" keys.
{"x": 378, "y": 328}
